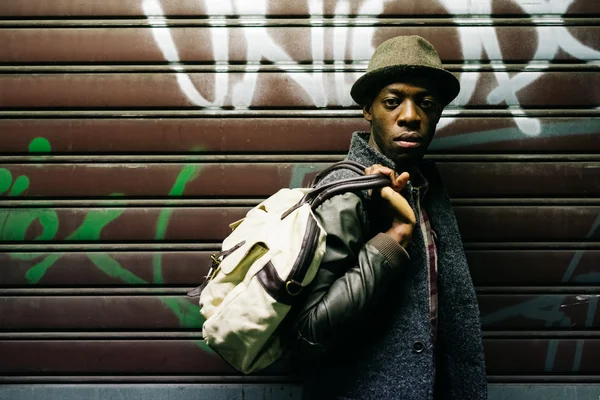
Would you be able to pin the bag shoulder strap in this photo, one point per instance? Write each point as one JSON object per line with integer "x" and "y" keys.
{"x": 344, "y": 164}
{"x": 347, "y": 185}
{"x": 317, "y": 196}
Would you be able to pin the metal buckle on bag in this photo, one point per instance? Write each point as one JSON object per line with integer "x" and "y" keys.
{"x": 213, "y": 268}
{"x": 289, "y": 285}
{"x": 212, "y": 271}
{"x": 209, "y": 276}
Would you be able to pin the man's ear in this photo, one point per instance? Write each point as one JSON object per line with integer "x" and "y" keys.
{"x": 367, "y": 113}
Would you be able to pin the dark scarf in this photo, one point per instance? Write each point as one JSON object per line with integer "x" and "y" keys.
{"x": 459, "y": 363}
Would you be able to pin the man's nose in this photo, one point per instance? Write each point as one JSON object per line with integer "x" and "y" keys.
{"x": 409, "y": 114}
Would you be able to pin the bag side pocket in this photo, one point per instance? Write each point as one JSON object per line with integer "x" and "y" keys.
{"x": 230, "y": 272}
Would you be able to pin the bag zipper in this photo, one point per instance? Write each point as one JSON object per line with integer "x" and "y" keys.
{"x": 216, "y": 258}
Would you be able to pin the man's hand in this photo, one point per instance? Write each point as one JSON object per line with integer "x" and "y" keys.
{"x": 403, "y": 217}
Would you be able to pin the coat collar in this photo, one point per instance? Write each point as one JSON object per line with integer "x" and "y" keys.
{"x": 361, "y": 152}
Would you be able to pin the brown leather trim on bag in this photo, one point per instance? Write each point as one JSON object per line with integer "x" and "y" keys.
{"x": 317, "y": 196}
{"x": 347, "y": 164}
{"x": 275, "y": 286}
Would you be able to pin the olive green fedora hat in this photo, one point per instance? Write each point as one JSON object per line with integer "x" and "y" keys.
{"x": 403, "y": 56}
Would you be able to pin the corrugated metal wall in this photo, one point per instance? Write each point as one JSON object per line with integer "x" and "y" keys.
{"x": 133, "y": 131}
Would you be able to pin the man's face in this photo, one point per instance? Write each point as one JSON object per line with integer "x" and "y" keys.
{"x": 403, "y": 118}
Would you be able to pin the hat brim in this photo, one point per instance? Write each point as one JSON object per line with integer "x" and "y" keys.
{"x": 362, "y": 90}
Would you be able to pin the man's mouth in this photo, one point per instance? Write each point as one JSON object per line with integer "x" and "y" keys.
{"x": 408, "y": 145}
{"x": 409, "y": 140}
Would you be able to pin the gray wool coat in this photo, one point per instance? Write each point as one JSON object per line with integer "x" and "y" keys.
{"x": 390, "y": 355}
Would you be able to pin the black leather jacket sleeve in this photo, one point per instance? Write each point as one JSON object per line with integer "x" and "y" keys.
{"x": 353, "y": 276}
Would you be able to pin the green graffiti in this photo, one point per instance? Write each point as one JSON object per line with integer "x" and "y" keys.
{"x": 48, "y": 220}
{"x": 546, "y": 308}
{"x": 548, "y": 130}
{"x": 112, "y": 268}
{"x": 15, "y": 223}
{"x": 299, "y": 173}
{"x": 21, "y": 185}
{"x": 94, "y": 222}
{"x": 592, "y": 278}
{"x": 40, "y": 145}
{"x": 37, "y": 272}
{"x": 5, "y": 180}
{"x": 89, "y": 229}
{"x": 26, "y": 256}
{"x": 187, "y": 174}
{"x": 188, "y": 314}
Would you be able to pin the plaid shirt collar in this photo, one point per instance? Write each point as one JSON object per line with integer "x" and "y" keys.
{"x": 419, "y": 182}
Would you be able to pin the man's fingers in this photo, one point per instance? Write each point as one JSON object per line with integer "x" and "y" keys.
{"x": 379, "y": 169}
{"x": 403, "y": 210}
{"x": 400, "y": 182}
{"x": 403, "y": 213}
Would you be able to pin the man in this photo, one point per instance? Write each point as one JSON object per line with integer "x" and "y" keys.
{"x": 370, "y": 326}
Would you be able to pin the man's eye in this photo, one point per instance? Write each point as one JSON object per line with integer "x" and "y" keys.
{"x": 390, "y": 102}
{"x": 427, "y": 104}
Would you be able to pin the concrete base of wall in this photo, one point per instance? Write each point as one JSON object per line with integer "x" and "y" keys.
{"x": 258, "y": 392}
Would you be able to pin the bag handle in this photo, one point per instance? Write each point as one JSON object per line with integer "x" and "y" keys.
{"x": 347, "y": 164}
{"x": 317, "y": 196}
{"x": 364, "y": 182}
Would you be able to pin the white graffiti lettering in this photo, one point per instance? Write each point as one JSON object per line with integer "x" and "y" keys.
{"x": 358, "y": 44}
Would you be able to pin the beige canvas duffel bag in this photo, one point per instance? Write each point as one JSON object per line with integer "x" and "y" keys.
{"x": 270, "y": 256}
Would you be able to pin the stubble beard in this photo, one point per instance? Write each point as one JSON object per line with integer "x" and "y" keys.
{"x": 403, "y": 160}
